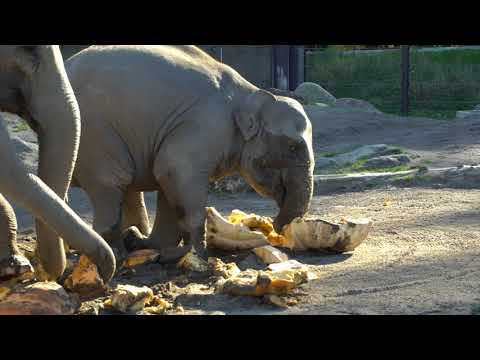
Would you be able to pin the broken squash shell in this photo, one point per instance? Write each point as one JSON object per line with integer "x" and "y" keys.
{"x": 224, "y": 235}
{"x": 316, "y": 234}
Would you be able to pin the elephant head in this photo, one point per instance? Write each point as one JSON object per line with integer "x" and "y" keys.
{"x": 277, "y": 157}
{"x": 34, "y": 85}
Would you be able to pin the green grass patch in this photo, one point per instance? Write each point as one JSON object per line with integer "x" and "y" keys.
{"x": 21, "y": 126}
{"x": 328, "y": 155}
{"x": 476, "y": 310}
{"x": 442, "y": 83}
{"x": 357, "y": 167}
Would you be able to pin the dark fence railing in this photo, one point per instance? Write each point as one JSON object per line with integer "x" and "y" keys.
{"x": 433, "y": 82}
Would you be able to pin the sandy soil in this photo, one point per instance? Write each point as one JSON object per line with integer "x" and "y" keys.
{"x": 422, "y": 257}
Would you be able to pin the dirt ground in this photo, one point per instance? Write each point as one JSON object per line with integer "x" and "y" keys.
{"x": 421, "y": 258}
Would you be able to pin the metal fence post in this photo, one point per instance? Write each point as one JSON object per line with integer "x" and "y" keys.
{"x": 405, "y": 80}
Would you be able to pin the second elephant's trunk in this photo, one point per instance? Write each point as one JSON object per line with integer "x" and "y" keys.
{"x": 32, "y": 193}
{"x": 298, "y": 187}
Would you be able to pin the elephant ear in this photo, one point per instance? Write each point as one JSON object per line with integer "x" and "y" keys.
{"x": 248, "y": 117}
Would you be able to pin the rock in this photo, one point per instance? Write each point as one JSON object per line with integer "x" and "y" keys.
{"x": 325, "y": 163}
{"x": 317, "y": 234}
{"x": 270, "y": 255}
{"x": 85, "y": 278}
{"x": 355, "y": 104}
{"x": 313, "y": 93}
{"x": 192, "y": 262}
{"x": 141, "y": 257}
{"x": 321, "y": 105}
{"x": 368, "y": 151}
{"x": 468, "y": 114}
{"x": 289, "y": 94}
{"x": 44, "y": 298}
{"x": 384, "y": 162}
{"x": 130, "y": 299}
{"x": 223, "y": 270}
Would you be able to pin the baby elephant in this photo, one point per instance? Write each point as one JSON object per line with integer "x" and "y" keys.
{"x": 172, "y": 119}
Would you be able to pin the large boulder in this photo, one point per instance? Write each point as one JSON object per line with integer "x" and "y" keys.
{"x": 364, "y": 152}
{"x": 313, "y": 93}
{"x": 289, "y": 94}
{"x": 356, "y": 105}
{"x": 386, "y": 162}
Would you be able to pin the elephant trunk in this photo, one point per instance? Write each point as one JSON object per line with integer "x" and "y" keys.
{"x": 8, "y": 229}
{"x": 55, "y": 112}
{"x": 31, "y": 192}
{"x": 297, "y": 196}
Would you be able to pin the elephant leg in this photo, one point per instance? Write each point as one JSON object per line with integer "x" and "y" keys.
{"x": 12, "y": 263}
{"x": 107, "y": 209}
{"x": 134, "y": 212}
{"x": 166, "y": 232}
{"x": 188, "y": 207}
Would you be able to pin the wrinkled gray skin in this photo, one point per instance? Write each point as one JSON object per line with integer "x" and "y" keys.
{"x": 34, "y": 85}
{"x": 171, "y": 119}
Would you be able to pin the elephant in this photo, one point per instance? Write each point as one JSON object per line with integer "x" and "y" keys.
{"x": 172, "y": 119}
{"x": 35, "y": 86}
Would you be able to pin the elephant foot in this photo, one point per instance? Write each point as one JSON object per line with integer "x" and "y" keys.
{"x": 202, "y": 251}
{"x": 134, "y": 240}
{"x": 173, "y": 255}
{"x": 15, "y": 267}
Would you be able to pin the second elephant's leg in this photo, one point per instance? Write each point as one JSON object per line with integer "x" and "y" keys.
{"x": 188, "y": 207}
{"x": 12, "y": 263}
{"x": 134, "y": 212}
{"x": 166, "y": 232}
{"x": 165, "y": 235}
{"x": 107, "y": 212}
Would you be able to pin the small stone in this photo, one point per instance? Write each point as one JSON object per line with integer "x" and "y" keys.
{"x": 130, "y": 299}
{"x": 270, "y": 255}
{"x": 192, "y": 262}
{"x": 43, "y": 298}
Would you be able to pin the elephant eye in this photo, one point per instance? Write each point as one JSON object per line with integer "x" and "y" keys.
{"x": 292, "y": 145}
